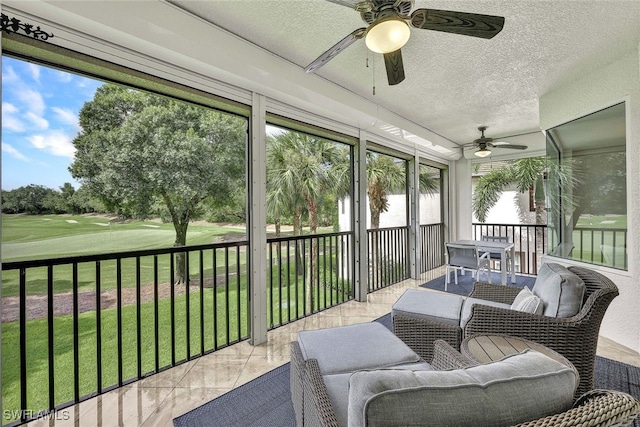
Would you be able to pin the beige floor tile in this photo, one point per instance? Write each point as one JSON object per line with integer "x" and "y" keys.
{"x": 179, "y": 402}
{"x": 222, "y": 372}
{"x": 259, "y": 365}
{"x": 158, "y": 399}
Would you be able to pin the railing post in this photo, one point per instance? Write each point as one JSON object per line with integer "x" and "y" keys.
{"x": 360, "y": 220}
{"x": 415, "y": 259}
{"x": 257, "y": 217}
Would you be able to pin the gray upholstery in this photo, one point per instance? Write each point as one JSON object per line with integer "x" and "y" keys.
{"x": 338, "y": 388}
{"x": 361, "y": 346}
{"x": 516, "y": 389}
{"x": 469, "y": 302}
{"x": 441, "y": 307}
{"x": 560, "y": 290}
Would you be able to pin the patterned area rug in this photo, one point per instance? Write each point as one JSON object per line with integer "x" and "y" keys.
{"x": 465, "y": 283}
{"x": 266, "y": 401}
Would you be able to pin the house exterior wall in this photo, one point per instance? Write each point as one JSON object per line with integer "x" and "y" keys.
{"x": 615, "y": 82}
{"x": 396, "y": 216}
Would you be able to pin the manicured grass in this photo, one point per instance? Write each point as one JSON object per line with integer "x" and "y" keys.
{"x": 229, "y": 319}
{"x": 286, "y": 302}
{"x": 226, "y": 308}
{"x": 52, "y": 236}
{"x": 36, "y": 237}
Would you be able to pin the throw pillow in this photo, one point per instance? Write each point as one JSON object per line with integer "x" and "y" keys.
{"x": 526, "y": 301}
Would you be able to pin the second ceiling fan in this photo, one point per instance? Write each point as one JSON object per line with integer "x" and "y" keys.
{"x": 388, "y": 30}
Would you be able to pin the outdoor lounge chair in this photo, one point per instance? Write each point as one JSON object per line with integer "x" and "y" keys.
{"x": 575, "y": 337}
{"x": 596, "y": 408}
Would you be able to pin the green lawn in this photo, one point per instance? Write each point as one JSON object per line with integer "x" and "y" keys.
{"x": 38, "y": 237}
{"x": 51, "y": 236}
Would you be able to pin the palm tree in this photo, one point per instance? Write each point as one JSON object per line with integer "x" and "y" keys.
{"x": 299, "y": 174}
{"x": 384, "y": 175}
{"x": 524, "y": 173}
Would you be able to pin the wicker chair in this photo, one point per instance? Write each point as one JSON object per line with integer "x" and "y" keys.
{"x": 576, "y": 337}
{"x": 597, "y": 408}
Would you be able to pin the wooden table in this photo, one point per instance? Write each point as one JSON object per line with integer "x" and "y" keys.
{"x": 501, "y": 247}
{"x": 488, "y": 348}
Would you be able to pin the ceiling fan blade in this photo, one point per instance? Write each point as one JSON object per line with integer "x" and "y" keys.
{"x": 351, "y": 4}
{"x": 335, "y": 49}
{"x": 394, "y": 66}
{"x": 466, "y": 24}
{"x": 507, "y": 145}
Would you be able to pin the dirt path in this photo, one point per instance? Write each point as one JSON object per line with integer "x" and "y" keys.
{"x": 36, "y": 306}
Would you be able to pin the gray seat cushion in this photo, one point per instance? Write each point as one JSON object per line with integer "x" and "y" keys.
{"x": 518, "y": 388}
{"x": 561, "y": 291}
{"x": 338, "y": 389}
{"x": 429, "y": 305}
{"x": 469, "y": 302}
{"x": 349, "y": 348}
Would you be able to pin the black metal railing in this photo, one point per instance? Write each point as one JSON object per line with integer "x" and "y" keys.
{"x": 388, "y": 258}
{"x": 89, "y": 324}
{"x": 307, "y": 274}
{"x": 530, "y": 242}
{"x": 431, "y": 246}
{"x": 597, "y": 245}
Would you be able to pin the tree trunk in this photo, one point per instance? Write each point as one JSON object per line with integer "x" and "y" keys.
{"x": 180, "y": 257}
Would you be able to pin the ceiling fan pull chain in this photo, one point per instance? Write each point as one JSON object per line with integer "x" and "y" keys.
{"x": 373, "y": 74}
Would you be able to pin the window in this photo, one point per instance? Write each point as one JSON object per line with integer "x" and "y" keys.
{"x": 587, "y": 188}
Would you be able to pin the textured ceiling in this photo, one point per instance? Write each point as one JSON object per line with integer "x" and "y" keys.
{"x": 453, "y": 83}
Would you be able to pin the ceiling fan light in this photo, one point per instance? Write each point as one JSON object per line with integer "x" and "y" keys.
{"x": 387, "y": 35}
{"x": 483, "y": 152}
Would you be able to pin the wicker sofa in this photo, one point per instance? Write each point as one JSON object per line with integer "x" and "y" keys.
{"x": 574, "y": 337}
{"x": 596, "y": 408}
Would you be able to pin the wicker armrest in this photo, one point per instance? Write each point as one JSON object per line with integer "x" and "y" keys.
{"x": 446, "y": 357}
{"x": 597, "y": 408}
{"x": 318, "y": 410}
{"x": 497, "y": 293}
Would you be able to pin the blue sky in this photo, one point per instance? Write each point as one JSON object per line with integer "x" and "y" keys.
{"x": 40, "y": 109}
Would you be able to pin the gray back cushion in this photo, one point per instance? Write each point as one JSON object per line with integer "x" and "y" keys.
{"x": 560, "y": 290}
{"x": 516, "y": 389}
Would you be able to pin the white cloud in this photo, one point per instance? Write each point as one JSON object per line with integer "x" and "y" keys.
{"x": 14, "y": 153}
{"x": 35, "y": 72}
{"x": 13, "y": 124}
{"x": 9, "y": 75}
{"x": 8, "y": 107}
{"x": 56, "y": 143}
{"x": 38, "y": 121}
{"x": 32, "y": 100}
{"x": 66, "y": 116}
{"x": 63, "y": 77}
{"x": 10, "y": 119}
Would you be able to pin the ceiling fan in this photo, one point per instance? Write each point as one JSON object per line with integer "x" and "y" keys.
{"x": 484, "y": 143}
{"x": 388, "y": 30}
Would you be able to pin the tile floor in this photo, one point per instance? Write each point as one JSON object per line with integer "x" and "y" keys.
{"x": 156, "y": 400}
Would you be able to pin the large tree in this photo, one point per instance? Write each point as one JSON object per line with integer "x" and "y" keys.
{"x": 138, "y": 150}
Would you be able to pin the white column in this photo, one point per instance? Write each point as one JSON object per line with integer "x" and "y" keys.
{"x": 257, "y": 221}
{"x": 414, "y": 243}
{"x": 360, "y": 219}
